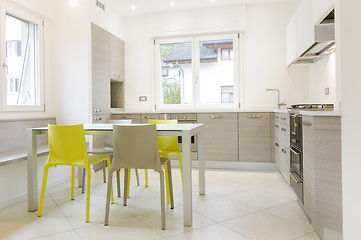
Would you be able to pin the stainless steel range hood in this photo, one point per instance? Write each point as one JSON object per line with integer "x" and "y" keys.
{"x": 324, "y": 43}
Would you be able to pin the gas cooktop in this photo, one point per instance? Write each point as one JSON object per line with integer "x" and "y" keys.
{"x": 313, "y": 107}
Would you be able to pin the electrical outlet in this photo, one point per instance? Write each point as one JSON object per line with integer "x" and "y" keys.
{"x": 327, "y": 91}
{"x": 142, "y": 98}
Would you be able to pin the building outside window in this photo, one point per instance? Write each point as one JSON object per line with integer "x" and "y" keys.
{"x": 191, "y": 72}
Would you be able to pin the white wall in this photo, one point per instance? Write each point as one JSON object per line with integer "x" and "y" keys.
{"x": 349, "y": 76}
{"x": 263, "y": 51}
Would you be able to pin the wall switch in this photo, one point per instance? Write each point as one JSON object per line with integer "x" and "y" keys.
{"x": 142, "y": 98}
{"x": 327, "y": 91}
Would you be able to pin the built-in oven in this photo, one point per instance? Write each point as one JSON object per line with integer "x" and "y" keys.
{"x": 296, "y": 155}
{"x": 183, "y": 118}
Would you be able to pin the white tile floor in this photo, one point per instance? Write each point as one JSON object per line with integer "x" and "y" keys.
{"x": 239, "y": 205}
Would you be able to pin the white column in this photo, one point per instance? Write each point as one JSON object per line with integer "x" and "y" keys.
{"x": 31, "y": 145}
{"x": 187, "y": 178}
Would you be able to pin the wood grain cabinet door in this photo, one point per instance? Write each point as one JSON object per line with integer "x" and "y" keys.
{"x": 116, "y": 58}
{"x": 221, "y": 138}
{"x": 100, "y": 70}
{"x": 254, "y": 137}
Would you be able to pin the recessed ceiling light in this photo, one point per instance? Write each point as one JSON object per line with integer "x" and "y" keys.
{"x": 172, "y": 4}
{"x": 213, "y": 0}
{"x": 73, "y": 2}
{"x": 133, "y": 7}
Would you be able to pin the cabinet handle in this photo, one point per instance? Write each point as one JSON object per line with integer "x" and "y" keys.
{"x": 127, "y": 118}
{"x": 147, "y": 117}
{"x": 117, "y": 75}
{"x": 283, "y": 129}
{"x": 277, "y": 117}
{"x": 277, "y": 145}
{"x": 283, "y": 118}
{"x": 97, "y": 119}
{"x": 97, "y": 110}
{"x": 284, "y": 151}
{"x": 307, "y": 124}
{"x": 216, "y": 116}
{"x": 277, "y": 126}
{"x": 254, "y": 116}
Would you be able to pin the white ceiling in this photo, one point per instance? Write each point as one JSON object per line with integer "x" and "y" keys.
{"x": 124, "y": 7}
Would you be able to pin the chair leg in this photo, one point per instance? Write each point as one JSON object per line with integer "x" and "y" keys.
{"x": 146, "y": 177}
{"x": 137, "y": 175}
{"x": 170, "y": 184}
{"x": 166, "y": 181}
{"x": 42, "y": 194}
{"x": 125, "y": 187}
{"x": 109, "y": 189}
{"x": 128, "y": 182}
{"x": 83, "y": 185}
{"x": 87, "y": 194}
{"x": 181, "y": 166}
{"x": 104, "y": 174}
{"x": 162, "y": 202}
{"x": 112, "y": 195}
{"x": 118, "y": 182}
{"x": 72, "y": 182}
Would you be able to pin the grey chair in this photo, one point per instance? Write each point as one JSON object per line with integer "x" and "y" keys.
{"x": 108, "y": 150}
{"x": 136, "y": 147}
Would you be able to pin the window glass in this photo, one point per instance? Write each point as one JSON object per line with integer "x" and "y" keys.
{"x": 176, "y": 73}
{"x": 214, "y": 73}
{"x": 22, "y": 62}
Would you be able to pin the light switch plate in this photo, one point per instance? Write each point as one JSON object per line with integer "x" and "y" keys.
{"x": 327, "y": 91}
{"x": 142, "y": 98}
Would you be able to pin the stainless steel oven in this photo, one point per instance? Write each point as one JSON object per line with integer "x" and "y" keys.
{"x": 296, "y": 155}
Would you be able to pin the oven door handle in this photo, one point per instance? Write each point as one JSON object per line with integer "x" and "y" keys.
{"x": 295, "y": 177}
{"x": 297, "y": 153}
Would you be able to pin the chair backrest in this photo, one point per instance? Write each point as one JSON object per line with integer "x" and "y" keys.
{"x": 67, "y": 145}
{"x": 166, "y": 143}
{"x": 135, "y": 146}
{"x": 120, "y": 121}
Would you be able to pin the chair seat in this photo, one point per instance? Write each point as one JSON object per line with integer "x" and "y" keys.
{"x": 92, "y": 159}
{"x": 104, "y": 150}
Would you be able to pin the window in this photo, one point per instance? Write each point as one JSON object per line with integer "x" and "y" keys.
{"x": 191, "y": 72}
{"x": 22, "y": 88}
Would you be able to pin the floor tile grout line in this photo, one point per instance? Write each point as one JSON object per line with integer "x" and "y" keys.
{"x": 235, "y": 231}
{"x": 305, "y": 235}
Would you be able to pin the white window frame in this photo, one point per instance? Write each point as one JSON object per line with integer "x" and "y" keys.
{"x": 196, "y": 104}
{"x": 31, "y": 17}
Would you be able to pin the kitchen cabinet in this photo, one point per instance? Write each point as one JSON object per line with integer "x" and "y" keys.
{"x": 134, "y": 117}
{"x": 300, "y": 33}
{"x": 116, "y": 58}
{"x": 282, "y": 144}
{"x": 220, "y": 136}
{"x": 254, "y": 137}
{"x": 100, "y": 70}
{"x": 322, "y": 174}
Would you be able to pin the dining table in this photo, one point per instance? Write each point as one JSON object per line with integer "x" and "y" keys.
{"x": 186, "y": 131}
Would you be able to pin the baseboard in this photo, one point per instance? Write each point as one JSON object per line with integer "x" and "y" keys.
{"x": 233, "y": 165}
{"x": 24, "y": 196}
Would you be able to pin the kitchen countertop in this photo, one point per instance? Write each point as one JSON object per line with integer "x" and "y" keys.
{"x": 305, "y": 113}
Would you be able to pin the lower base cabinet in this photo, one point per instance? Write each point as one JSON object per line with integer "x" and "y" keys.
{"x": 220, "y": 136}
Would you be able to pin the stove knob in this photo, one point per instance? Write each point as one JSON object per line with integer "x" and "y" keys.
{"x": 177, "y": 117}
{"x": 294, "y": 140}
{"x": 185, "y": 117}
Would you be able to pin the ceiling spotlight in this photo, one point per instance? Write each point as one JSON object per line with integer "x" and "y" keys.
{"x": 73, "y": 2}
{"x": 172, "y": 4}
{"x": 133, "y": 7}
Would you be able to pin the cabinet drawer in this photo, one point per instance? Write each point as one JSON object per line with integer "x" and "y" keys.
{"x": 254, "y": 137}
{"x": 220, "y": 132}
{"x": 282, "y": 117}
{"x": 282, "y": 160}
{"x": 145, "y": 116}
{"x": 282, "y": 133}
{"x": 134, "y": 117}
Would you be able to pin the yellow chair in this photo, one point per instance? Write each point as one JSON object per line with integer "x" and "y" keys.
{"x": 67, "y": 147}
{"x": 168, "y": 145}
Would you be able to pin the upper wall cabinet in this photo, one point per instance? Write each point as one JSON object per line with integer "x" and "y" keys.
{"x": 100, "y": 70}
{"x": 116, "y": 57}
{"x": 300, "y": 33}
